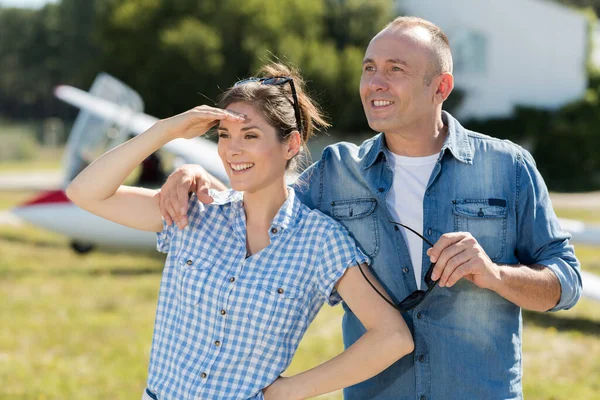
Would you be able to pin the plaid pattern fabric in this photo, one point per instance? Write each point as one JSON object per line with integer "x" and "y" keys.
{"x": 227, "y": 326}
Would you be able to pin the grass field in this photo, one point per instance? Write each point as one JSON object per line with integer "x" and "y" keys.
{"x": 79, "y": 327}
{"x": 20, "y": 150}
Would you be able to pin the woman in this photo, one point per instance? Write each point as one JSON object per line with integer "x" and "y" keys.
{"x": 245, "y": 278}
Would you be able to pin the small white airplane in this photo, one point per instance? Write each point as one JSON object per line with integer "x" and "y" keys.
{"x": 111, "y": 112}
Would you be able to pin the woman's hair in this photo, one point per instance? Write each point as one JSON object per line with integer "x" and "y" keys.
{"x": 276, "y": 104}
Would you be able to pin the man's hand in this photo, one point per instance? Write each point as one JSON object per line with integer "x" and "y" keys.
{"x": 458, "y": 255}
{"x": 173, "y": 202}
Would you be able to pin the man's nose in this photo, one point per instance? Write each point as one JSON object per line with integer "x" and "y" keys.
{"x": 377, "y": 82}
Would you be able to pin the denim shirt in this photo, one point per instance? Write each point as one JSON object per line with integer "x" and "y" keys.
{"x": 467, "y": 339}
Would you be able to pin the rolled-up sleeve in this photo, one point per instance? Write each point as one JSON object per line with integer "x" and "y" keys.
{"x": 541, "y": 239}
{"x": 339, "y": 253}
{"x": 163, "y": 238}
{"x": 168, "y": 237}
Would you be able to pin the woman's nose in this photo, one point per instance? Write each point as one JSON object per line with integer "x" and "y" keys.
{"x": 235, "y": 147}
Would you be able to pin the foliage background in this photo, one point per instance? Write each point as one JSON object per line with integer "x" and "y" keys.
{"x": 180, "y": 53}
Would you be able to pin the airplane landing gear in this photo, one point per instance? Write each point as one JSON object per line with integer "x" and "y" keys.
{"x": 81, "y": 248}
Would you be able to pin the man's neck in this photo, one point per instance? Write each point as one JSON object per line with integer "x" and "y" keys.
{"x": 420, "y": 141}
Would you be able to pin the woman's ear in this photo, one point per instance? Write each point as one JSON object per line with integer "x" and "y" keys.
{"x": 293, "y": 145}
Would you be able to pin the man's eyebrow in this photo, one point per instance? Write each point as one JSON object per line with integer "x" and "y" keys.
{"x": 389, "y": 60}
{"x": 397, "y": 61}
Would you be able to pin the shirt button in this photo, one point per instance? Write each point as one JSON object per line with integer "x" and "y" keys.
{"x": 421, "y": 358}
{"x": 405, "y": 270}
{"x": 280, "y": 291}
{"x": 273, "y": 230}
{"x": 232, "y": 279}
{"x": 480, "y": 213}
{"x": 223, "y": 312}
{"x": 189, "y": 262}
{"x": 396, "y": 228}
{"x": 429, "y": 231}
{"x": 217, "y": 343}
{"x": 423, "y": 398}
{"x": 203, "y": 375}
{"x": 419, "y": 316}
{"x": 381, "y": 190}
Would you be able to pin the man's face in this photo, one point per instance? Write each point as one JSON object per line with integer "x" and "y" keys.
{"x": 392, "y": 87}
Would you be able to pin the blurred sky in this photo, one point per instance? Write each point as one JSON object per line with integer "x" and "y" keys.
{"x": 25, "y": 3}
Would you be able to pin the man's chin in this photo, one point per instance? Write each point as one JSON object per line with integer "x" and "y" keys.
{"x": 378, "y": 125}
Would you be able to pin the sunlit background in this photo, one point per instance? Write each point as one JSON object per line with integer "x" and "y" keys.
{"x": 78, "y": 316}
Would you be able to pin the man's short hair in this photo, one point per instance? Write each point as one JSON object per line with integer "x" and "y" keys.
{"x": 440, "y": 46}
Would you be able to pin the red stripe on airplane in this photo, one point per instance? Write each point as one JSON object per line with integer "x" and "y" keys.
{"x": 51, "y": 197}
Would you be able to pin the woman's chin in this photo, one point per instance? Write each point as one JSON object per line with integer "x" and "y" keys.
{"x": 240, "y": 186}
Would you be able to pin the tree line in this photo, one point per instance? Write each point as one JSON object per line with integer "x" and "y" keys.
{"x": 181, "y": 53}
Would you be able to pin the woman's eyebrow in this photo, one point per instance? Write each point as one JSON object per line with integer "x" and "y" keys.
{"x": 247, "y": 128}
{"x": 244, "y": 129}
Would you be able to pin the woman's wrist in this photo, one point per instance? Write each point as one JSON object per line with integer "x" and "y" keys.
{"x": 165, "y": 129}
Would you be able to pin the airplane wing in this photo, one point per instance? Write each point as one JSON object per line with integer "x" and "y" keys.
{"x": 591, "y": 285}
{"x": 109, "y": 117}
{"x": 582, "y": 233}
{"x": 588, "y": 235}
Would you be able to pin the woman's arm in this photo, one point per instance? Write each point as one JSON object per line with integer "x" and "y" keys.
{"x": 387, "y": 340}
{"x": 98, "y": 188}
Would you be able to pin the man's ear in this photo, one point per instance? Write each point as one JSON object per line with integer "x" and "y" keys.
{"x": 293, "y": 145}
{"x": 444, "y": 84}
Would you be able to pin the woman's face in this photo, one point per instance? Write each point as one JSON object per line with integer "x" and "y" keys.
{"x": 251, "y": 151}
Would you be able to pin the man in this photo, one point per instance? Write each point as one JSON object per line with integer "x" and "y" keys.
{"x": 498, "y": 245}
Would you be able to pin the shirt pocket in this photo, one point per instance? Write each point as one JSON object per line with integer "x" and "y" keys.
{"x": 486, "y": 220}
{"x": 193, "y": 271}
{"x": 275, "y": 308}
{"x": 360, "y": 218}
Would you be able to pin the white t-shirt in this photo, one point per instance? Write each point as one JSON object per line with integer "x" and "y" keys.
{"x": 405, "y": 200}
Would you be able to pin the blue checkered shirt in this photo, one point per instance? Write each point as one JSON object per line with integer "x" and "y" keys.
{"x": 227, "y": 326}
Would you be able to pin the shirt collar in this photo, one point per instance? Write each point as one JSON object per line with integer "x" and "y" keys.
{"x": 457, "y": 142}
{"x": 284, "y": 217}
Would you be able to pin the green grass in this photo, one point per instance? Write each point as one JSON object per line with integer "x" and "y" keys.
{"x": 80, "y": 327}
{"x": 45, "y": 159}
{"x": 10, "y": 199}
{"x": 582, "y": 214}
{"x": 22, "y": 151}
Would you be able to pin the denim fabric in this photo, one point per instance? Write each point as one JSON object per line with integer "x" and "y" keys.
{"x": 467, "y": 339}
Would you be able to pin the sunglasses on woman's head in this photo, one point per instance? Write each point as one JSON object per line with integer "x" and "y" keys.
{"x": 276, "y": 81}
{"x": 416, "y": 297}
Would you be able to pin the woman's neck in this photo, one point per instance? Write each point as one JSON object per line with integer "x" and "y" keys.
{"x": 262, "y": 205}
